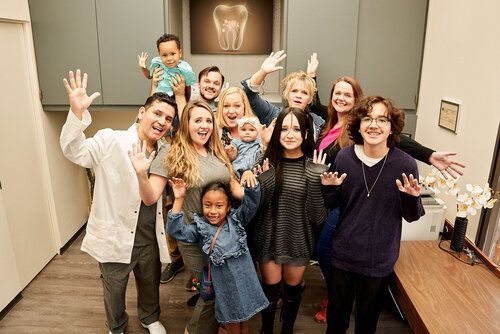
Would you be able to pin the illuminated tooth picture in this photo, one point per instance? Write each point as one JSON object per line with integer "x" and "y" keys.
{"x": 231, "y": 26}
{"x": 230, "y": 22}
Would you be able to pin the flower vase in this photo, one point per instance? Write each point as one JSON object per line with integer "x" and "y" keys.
{"x": 458, "y": 238}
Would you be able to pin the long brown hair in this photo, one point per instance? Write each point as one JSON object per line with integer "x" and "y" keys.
{"x": 182, "y": 159}
{"x": 332, "y": 117}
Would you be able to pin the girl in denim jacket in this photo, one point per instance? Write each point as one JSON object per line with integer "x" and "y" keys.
{"x": 238, "y": 294}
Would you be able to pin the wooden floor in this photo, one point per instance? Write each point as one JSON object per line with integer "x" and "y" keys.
{"x": 66, "y": 297}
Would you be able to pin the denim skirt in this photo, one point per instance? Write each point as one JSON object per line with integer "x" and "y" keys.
{"x": 238, "y": 293}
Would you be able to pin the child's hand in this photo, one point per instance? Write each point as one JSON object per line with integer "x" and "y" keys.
{"x": 271, "y": 63}
{"x": 179, "y": 187}
{"x": 231, "y": 151}
{"x": 248, "y": 179}
{"x": 319, "y": 158}
{"x": 142, "y": 59}
{"x": 410, "y": 187}
{"x": 332, "y": 179}
{"x": 79, "y": 101}
{"x": 312, "y": 65}
{"x": 138, "y": 158}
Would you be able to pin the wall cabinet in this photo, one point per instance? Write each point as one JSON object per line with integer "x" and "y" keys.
{"x": 379, "y": 43}
{"x": 390, "y": 47}
{"x": 102, "y": 38}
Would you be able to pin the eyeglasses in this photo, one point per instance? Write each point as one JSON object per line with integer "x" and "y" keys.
{"x": 380, "y": 121}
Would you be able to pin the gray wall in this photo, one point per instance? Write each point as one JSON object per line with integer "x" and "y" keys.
{"x": 327, "y": 27}
{"x": 102, "y": 38}
{"x": 377, "y": 42}
{"x": 390, "y": 44}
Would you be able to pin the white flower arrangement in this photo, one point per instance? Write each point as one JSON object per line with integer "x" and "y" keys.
{"x": 468, "y": 202}
{"x": 435, "y": 181}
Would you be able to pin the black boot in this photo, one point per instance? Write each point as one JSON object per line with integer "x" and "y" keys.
{"x": 272, "y": 292}
{"x": 290, "y": 308}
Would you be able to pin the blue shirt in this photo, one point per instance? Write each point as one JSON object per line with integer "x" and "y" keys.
{"x": 183, "y": 68}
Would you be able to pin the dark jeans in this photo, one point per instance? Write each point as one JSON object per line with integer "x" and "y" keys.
{"x": 324, "y": 245}
{"x": 175, "y": 254}
{"x": 347, "y": 287}
{"x": 145, "y": 263}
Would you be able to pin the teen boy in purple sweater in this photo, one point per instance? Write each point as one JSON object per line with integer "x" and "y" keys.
{"x": 374, "y": 193}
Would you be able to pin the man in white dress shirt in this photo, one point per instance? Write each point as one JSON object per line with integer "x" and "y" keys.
{"x": 123, "y": 234}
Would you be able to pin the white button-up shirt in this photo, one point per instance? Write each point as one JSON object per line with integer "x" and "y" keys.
{"x": 115, "y": 207}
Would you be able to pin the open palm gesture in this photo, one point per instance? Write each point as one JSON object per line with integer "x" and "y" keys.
{"x": 259, "y": 169}
{"x": 270, "y": 64}
{"x": 332, "y": 179}
{"x": 266, "y": 133}
{"x": 79, "y": 101}
{"x": 143, "y": 57}
{"x": 179, "y": 187}
{"x": 319, "y": 157}
{"x": 138, "y": 158}
{"x": 409, "y": 186}
{"x": 444, "y": 162}
{"x": 312, "y": 65}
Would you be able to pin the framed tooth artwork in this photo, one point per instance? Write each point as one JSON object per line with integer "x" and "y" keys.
{"x": 231, "y": 27}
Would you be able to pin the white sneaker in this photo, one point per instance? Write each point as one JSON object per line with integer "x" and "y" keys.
{"x": 155, "y": 328}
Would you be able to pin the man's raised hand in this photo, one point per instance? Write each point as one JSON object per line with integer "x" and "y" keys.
{"x": 138, "y": 158}
{"x": 79, "y": 101}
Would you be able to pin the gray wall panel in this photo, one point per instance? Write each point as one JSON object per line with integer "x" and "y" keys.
{"x": 390, "y": 41}
{"x": 65, "y": 38}
{"x": 127, "y": 27}
{"x": 328, "y": 28}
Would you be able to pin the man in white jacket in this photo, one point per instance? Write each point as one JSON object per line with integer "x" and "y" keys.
{"x": 123, "y": 234}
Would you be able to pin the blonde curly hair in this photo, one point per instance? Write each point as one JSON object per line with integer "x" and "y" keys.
{"x": 294, "y": 77}
{"x": 182, "y": 159}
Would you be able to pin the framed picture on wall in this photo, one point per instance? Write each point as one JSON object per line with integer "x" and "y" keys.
{"x": 448, "y": 115}
{"x": 231, "y": 27}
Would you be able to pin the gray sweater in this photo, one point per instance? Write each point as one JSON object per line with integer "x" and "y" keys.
{"x": 287, "y": 236}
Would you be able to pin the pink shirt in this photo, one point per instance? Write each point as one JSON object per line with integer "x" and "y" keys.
{"x": 330, "y": 138}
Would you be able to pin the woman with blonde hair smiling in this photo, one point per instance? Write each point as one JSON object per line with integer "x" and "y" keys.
{"x": 233, "y": 105}
{"x": 194, "y": 139}
{"x": 197, "y": 156}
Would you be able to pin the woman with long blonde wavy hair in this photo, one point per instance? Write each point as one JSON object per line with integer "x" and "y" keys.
{"x": 197, "y": 156}
{"x": 182, "y": 158}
